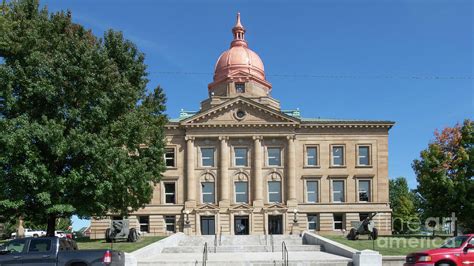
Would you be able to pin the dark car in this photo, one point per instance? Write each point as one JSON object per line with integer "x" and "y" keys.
{"x": 55, "y": 251}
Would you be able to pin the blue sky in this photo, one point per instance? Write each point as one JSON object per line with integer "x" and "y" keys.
{"x": 406, "y": 61}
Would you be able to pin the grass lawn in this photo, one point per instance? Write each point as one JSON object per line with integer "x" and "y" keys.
{"x": 86, "y": 243}
{"x": 392, "y": 246}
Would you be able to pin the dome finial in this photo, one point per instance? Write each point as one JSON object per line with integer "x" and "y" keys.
{"x": 239, "y": 33}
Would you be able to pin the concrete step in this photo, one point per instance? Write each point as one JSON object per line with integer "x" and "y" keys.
{"x": 296, "y": 258}
{"x": 246, "y": 248}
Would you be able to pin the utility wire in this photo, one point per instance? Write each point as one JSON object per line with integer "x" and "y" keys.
{"x": 415, "y": 77}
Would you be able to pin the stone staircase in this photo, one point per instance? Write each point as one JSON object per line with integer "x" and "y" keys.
{"x": 243, "y": 250}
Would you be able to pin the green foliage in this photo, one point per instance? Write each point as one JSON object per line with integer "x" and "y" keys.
{"x": 445, "y": 175}
{"x": 402, "y": 204}
{"x": 79, "y": 133}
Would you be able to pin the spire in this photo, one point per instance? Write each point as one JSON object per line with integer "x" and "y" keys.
{"x": 239, "y": 34}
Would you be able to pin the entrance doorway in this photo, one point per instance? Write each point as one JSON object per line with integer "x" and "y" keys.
{"x": 275, "y": 224}
{"x": 241, "y": 225}
{"x": 208, "y": 225}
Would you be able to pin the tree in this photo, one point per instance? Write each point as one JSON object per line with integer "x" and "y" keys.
{"x": 445, "y": 175}
{"x": 402, "y": 204}
{"x": 79, "y": 132}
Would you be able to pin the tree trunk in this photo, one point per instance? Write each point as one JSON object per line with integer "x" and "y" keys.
{"x": 51, "y": 225}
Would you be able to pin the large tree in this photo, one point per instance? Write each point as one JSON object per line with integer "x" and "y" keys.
{"x": 402, "y": 204}
{"x": 79, "y": 132}
{"x": 445, "y": 175}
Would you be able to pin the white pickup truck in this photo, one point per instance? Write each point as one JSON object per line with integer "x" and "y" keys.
{"x": 31, "y": 233}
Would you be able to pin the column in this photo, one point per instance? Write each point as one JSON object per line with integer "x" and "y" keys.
{"x": 191, "y": 182}
{"x": 224, "y": 172}
{"x": 257, "y": 171}
{"x": 291, "y": 171}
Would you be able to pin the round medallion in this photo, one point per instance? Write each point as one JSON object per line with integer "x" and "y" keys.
{"x": 240, "y": 114}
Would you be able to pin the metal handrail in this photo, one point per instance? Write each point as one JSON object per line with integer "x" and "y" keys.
{"x": 204, "y": 255}
{"x": 284, "y": 253}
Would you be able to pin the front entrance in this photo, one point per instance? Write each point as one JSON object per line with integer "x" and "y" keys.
{"x": 241, "y": 225}
{"x": 275, "y": 224}
{"x": 208, "y": 225}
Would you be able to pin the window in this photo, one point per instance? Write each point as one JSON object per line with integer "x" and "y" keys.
{"x": 16, "y": 246}
{"x": 170, "y": 157}
{"x": 311, "y": 156}
{"x": 240, "y": 157}
{"x": 312, "y": 222}
{"x": 144, "y": 223}
{"x": 40, "y": 245}
{"x": 170, "y": 222}
{"x": 311, "y": 191}
{"x": 170, "y": 193}
{"x": 274, "y": 156}
{"x": 208, "y": 192}
{"x": 338, "y": 221}
{"x": 364, "y": 155}
{"x": 274, "y": 191}
{"x": 338, "y": 155}
{"x": 241, "y": 192}
{"x": 364, "y": 190}
{"x": 207, "y": 156}
{"x": 240, "y": 87}
{"x": 338, "y": 191}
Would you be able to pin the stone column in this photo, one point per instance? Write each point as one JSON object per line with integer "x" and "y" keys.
{"x": 191, "y": 181}
{"x": 224, "y": 172}
{"x": 291, "y": 171}
{"x": 257, "y": 171}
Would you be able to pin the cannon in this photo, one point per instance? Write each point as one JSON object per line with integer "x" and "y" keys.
{"x": 364, "y": 227}
{"x": 120, "y": 230}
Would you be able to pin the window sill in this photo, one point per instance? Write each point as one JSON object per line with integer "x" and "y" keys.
{"x": 311, "y": 167}
{"x": 364, "y": 166}
{"x": 338, "y": 166}
{"x": 168, "y": 168}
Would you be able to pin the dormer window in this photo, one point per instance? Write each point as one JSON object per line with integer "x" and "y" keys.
{"x": 240, "y": 87}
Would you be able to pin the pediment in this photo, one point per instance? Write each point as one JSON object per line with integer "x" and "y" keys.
{"x": 241, "y": 111}
{"x": 276, "y": 206}
{"x": 241, "y": 207}
{"x": 207, "y": 207}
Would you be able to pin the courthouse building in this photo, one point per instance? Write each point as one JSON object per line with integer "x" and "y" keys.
{"x": 242, "y": 165}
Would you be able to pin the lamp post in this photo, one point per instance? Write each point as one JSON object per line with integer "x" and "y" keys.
{"x": 295, "y": 217}
{"x": 187, "y": 217}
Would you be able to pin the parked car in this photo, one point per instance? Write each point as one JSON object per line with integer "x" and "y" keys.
{"x": 55, "y": 251}
{"x": 458, "y": 250}
{"x": 31, "y": 233}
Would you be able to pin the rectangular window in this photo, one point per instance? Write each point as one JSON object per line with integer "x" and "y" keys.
{"x": 208, "y": 192}
{"x": 312, "y": 222}
{"x": 170, "y": 222}
{"x": 338, "y": 221}
{"x": 311, "y": 191}
{"x": 274, "y": 191}
{"x": 40, "y": 245}
{"x": 240, "y": 87}
{"x": 364, "y": 155}
{"x": 338, "y": 191}
{"x": 240, "y": 156}
{"x": 170, "y": 157}
{"x": 364, "y": 190}
{"x": 170, "y": 193}
{"x": 338, "y": 155}
{"x": 207, "y": 156}
{"x": 241, "y": 192}
{"x": 144, "y": 223}
{"x": 312, "y": 156}
{"x": 274, "y": 156}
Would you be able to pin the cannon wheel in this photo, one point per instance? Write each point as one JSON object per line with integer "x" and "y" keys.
{"x": 108, "y": 239}
{"x": 352, "y": 234}
{"x": 374, "y": 234}
{"x": 132, "y": 235}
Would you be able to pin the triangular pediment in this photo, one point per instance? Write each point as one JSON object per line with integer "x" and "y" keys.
{"x": 241, "y": 111}
{"x": 241, "y": 207}
{"x": 276, "y": 206}
{"x": 207, "y": 207}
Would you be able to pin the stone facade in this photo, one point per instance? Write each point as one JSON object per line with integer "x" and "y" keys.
{"x": 241, "y": 165}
